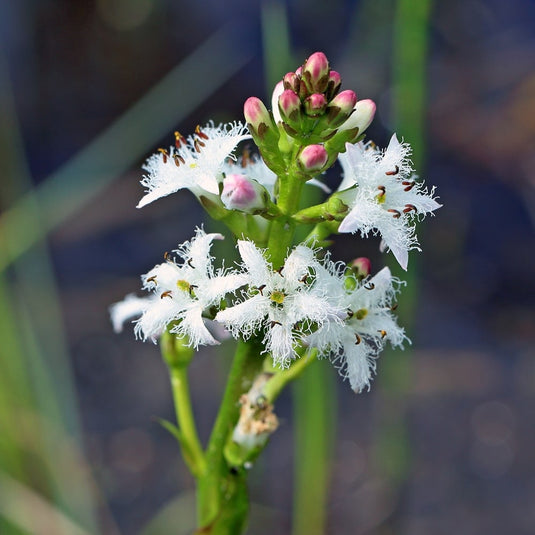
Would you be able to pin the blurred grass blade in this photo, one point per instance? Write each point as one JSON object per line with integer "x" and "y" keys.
{"x": 121, "y": 144}
{"x": 28, "y": 512}
{"x": 275, "y": 43}
{"x": 392, "y": 456}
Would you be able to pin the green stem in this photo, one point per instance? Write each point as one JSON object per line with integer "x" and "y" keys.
{"x": 274, "y": 386}
{"x": 283, "y": 228}
{"x": 190, "y": 442}
{"x": 222, "y": 497}
{"x": 314, "y": 411}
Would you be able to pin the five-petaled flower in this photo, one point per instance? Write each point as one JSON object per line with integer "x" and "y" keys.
{"x": 181, "y": 294}
{"x": 194, "y": 163}
{"x": 286, "y": 303}
{"x": 355, "y": 343}
{"x": 387, "y": 197}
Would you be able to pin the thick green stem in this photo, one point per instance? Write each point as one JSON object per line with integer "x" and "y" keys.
{"x": 283, "y": 228}
{"x": 222, "y": 494}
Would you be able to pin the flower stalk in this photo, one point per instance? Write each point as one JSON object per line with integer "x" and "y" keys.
{"x": 287, "y": 304}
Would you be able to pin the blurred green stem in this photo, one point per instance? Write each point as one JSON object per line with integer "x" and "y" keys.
{"x": 222, "y": 499}
{"x": 410, "y": 51}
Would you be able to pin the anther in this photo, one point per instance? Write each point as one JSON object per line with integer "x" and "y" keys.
{"x": 409, "y": 207}
{"x": 260, "y": 288}
{"x": 349, "y": 313}
{"x": 358, "y": 338}
{"x": 197, "y": 145}
{"x": 152, "y": 279}
{"x": 189, "y": 262}
{"x": 167, "y": 293}
{"x": 178, "y": 159}
{"x": 396, "y": 214}
{"x": 392, "y": 173}
{"x": 164, "y": 154}
{"x": 191, "y": 286}
{"x": 246, "y": 157}
{"x": 303, "y": 278}
{"x": 382, "y": 189}
{"x": 166, "y": 256}
{"x": 179, "y": 140}
{"x": 279, "y": 271}
{"x": 382, "y": 332}
{"x": 369, "y": 286}
{"x": 200, "y": 133}
{"x": 273, "y": 323}
{"x": 394, "y": 307}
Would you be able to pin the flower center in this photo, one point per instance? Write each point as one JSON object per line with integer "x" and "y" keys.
{"x": 277, "y": 297}
{"x": 361, "y": 313}
{"x": 183, "y": 285}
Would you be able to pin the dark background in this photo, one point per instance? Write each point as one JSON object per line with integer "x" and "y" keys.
{"x": 449, "y": 448}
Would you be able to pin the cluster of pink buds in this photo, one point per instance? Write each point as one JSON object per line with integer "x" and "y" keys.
{"x": 309, "y": 109}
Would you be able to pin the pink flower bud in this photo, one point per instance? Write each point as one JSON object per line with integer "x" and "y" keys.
{"x": 291, "y": 81}
{"x": 345, "y": 100}
{"x": 313, "y": 157}
{"x": 315, "y": 104}
{"x": 333, "y": 84}
{"x": 255, "y": 112}
{"x": 362, "y": 267}
{"x": 316, "y": 72}
{"x": 362, "y": 116}
{"x": 242, "y": 193}
{"x": 317, "y": 65}
{"x": 289, "y": 105}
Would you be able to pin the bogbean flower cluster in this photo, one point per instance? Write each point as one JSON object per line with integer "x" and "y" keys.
{"x": 290, "y": 297}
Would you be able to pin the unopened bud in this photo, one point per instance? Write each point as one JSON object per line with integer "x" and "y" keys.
{"x": 290, "y": 107}
{"x": 243, "y": 193}
{"x": 313, "y": 158}
{"x": 255, "y": 112}
{"x": 341, "y": 107}
{"x": 291, "y": 81}
{"x": 362, "y": 267}
{"x": 316, "y": 72}
{"x": 277, "y": 92}
{"x": 362, "y": 116}
{"x": 315, "y": 105}
{"x": 260, "y": 123}
{"x": 333, "y": 84}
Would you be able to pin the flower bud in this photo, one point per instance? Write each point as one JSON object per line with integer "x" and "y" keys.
{"x": 290, "y": 106}
{"x": 260, "y": 123}
{"x": 362, "y": 116}
{"x": 313, "y": 158}
{"x": 277, "y": 92}
{"x": 316, "y": 72}
{"x": 291, "y": 81}
{"x": 362, "y": 267}
{"x": 333, "y": 84}
{"x": 315, "y": 105}
{"x": 341, "y": 107}
{"x": 256, "y": 113}
{"x": 243, "y": 193}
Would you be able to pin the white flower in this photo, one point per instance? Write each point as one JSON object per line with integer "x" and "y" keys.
{"x": 286, "y": 303}
{"x": 355, "y": 343}
{"x": 181, "y": 293}
{"x": 196, "y": 164}
{"x": 387, "y": 197}
{"x": 130, "y": 307}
